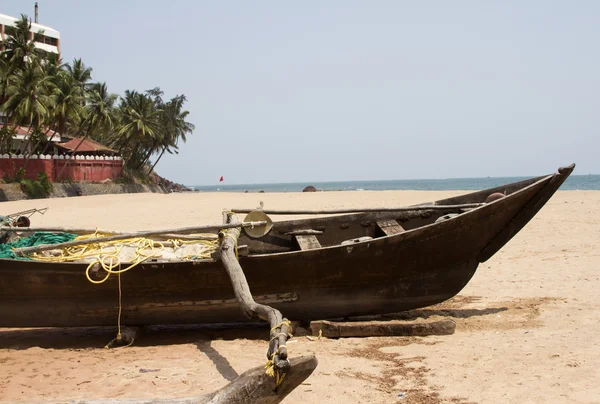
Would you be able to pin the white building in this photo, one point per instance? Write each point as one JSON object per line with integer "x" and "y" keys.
{"x": 49, "y": 41}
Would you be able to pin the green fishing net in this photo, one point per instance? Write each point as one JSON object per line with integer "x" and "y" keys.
{"x": 33, "y": 240}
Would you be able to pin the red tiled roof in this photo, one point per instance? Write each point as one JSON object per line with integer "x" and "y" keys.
{"x": 88, "y": 145}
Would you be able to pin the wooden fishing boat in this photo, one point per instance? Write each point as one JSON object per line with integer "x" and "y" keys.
{"x": 345, "y": 264}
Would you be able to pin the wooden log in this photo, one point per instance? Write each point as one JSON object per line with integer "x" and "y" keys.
{"x": 306, "y": 232}
{"x": 173, "y": 233}
{"x": 279, "y": 329}
{"x": 251, "y": 387}
{"x": 359, "y": 210}
{"x": 333, "y": 329}
{"x": 124, "y": 236}
{"x": 189, "y": 236}
{"x": 177, "y": 236}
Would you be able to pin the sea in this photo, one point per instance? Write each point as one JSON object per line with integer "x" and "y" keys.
{"x": 574, "y": 182}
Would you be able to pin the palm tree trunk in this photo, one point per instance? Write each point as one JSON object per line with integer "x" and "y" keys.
{"x": 157, "y": 160}
{"x": 21, "y": 151}
{"x": 71, "y": 156}
{"x": 146, "y": 158}
{"x": 49, "y": 140}
{"x": 35, "y": 148}
{"x": 87, "y": 133}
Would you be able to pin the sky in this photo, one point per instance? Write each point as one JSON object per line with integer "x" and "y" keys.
{"x": 353, "y": 90}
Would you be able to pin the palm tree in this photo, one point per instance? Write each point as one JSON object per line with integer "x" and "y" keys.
{"x": 174, "y": 126}
{"x": 68, "y": 110}
{"x": 30, "y": 97}
{"x": 139, "y": 128}
{"x": 100, "y": 108}
{"x": 19, "y": 45}
{"x": 56, "y": 70}
{"x": 69, "y": 103}
{"x": 4, "y": 74}
{"x": 99, "y": 116}
{"x": 81, "y": 74}
{"x": 7, "y": 133}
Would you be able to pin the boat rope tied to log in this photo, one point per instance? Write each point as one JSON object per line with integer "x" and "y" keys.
{"x": 270, "y": 367}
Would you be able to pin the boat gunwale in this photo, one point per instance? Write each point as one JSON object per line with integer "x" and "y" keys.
{"x": 409, "y": 233}
{"x": 406, "y": 234}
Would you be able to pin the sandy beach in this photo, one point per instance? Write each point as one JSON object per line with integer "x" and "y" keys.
{"x": 527, "y": 323}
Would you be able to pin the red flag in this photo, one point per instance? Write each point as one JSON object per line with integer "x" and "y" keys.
{"x": 221, "y": 180}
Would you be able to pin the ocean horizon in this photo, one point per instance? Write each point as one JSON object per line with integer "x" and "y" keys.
{"x": 574, "y": 182}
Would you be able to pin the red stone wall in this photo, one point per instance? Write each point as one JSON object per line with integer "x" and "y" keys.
{"x": 11, "y": 166}
{"x": 77, "y": 170}
{"x": 87, "y": 170}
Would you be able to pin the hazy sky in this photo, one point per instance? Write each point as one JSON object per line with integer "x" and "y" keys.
{"x": 353, "y": 90}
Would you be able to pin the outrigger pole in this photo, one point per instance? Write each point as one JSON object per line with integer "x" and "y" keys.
{"x": 28, "y": 213}
{"x": 277, "y": 355}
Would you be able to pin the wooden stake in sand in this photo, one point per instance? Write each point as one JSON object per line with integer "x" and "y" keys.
{"x": 332, "y": 329}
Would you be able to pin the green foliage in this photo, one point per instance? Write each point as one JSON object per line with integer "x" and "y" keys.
{"x": 45, "y": 182}
{"x": 33, "y": 189}
{"x": 41, "y": 188}
{"x": 38, "y": 91}
{"x": 6, "y": 135}
{"x": 19, "y": 175}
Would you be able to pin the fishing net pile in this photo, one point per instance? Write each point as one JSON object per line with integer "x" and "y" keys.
{"x": 110, "y": 255}
{"x": 6, "y": 250}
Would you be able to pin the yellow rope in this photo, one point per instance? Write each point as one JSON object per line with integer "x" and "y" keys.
{"x": 120, "y": 310}
{"x": 284, "y": 322}
{"x": 270, "y": 365}
{"x": 106, "y": 254}
{"x": 272, "y": 371}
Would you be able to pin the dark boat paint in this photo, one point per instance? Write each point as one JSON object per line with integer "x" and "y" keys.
{"x": 428, "y": 264}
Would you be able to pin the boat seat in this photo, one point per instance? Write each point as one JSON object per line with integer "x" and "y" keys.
{"x": 390, "y": 227}
{"x": 308, "y": 242}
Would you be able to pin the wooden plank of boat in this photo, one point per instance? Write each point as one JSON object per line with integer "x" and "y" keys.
{"x": 308, "y": 242}
{"x": 333, "y": 329}
{"x": 390, "y": 227}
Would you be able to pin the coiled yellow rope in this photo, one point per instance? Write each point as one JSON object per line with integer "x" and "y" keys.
{"x": 106, "y": 254}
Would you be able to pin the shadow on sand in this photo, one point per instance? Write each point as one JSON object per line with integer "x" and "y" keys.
{"x": 201, "y": 335}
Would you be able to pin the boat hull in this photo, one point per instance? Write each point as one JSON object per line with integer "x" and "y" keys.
{"x": 417, "y": 268}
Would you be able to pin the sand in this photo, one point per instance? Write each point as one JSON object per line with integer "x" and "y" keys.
{"x": 528, "y": 323}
